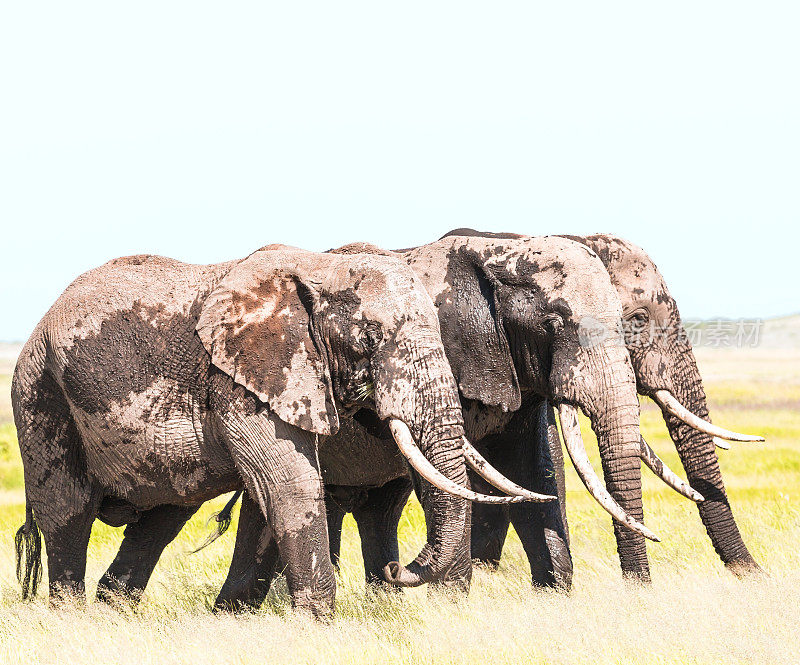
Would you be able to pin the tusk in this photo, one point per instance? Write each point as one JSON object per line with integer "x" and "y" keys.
{"x": 721, "y": 443}
{"x": 405, "y": 442}
{"x": 571, "y": 431}
{"x": 666, "y": 474}
{"x": 667, "y": 401}
{"x": 497, "y": 479}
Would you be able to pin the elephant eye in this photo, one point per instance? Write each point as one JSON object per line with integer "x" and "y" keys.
{"x": 371, "y": 337}
{"x": 554, "y": 324}
{"x": 636, "y": 327}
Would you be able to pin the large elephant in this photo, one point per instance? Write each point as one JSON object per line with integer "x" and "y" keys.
{"x": 151, "y": 386}
{"x": 522, "y": 320}
{"x": 667, "y": 372}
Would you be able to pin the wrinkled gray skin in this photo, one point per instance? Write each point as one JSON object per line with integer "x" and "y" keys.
{"x": 665, "y": 361}
{"x": 511, "y": 314}
{"x": 152, "y": 386}
{"x": 661, "y": 361}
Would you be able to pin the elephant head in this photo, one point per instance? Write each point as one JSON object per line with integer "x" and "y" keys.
{"x": 540, "y": 315}
{"x": 666, "y": 371}
{"x": 319, "y": 336}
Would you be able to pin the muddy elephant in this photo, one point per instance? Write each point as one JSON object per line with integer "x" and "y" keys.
{"x": 522, "y": 321}
{"x": 151, "y": 386}
{"x": 666, "y": 371}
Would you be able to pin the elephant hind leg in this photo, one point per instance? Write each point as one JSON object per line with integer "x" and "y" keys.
{"x": 335, "y": 516}
{"x": 62, "y": 498}
{"x": 144, "y": 541}
{"x": 254, "y": 564}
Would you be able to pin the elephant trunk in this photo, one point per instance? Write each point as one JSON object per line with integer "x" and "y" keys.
{"x": 430, "y": 411}
{"x": 446, "y": 518}
{"x": 699, "y": 458}
{"x": 616, "y": 425}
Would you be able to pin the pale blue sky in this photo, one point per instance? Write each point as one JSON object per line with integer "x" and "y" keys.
{"x": 204, "y": 130}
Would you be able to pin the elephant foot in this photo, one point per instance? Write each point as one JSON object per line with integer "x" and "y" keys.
{"x": 116, "y": 593}
{"x": 233, "y": 606}
{"x": 67, "y": 594}
{"x": 487, "y": 563}
{"x": 320, "y": 607}
{"x": 244, "y": 595}
{"x": 559, "y": 581}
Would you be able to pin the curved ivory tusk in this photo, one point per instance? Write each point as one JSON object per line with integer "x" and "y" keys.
{"x": 667, "y": 401}
{"x": 721, "y": 443}
{"x": 497, "y": 479}
{"x": 405, "y": 442}
{"x": 657, "y": 466}
{"x": 571, "y": 431}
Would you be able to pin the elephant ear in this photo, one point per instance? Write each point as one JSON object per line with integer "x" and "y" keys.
{"x": 473, "y": 333}
{"x": 258, "y": 327}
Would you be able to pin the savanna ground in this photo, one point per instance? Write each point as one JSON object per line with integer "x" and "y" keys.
{"x": 694, "y": 612}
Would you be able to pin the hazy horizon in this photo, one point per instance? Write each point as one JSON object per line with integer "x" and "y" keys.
{"x": 202, "y": 132}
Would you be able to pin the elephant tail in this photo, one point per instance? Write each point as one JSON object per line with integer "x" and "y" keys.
{"x": 223, "y": 520}
{"x": 28, "y": 541}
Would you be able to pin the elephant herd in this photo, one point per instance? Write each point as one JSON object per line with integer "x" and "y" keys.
{"x": 317, "y": 384}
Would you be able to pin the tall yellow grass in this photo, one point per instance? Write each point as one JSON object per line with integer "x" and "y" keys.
{"x": 694, "y": 612}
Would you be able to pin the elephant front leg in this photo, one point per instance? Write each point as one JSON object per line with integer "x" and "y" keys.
{"x": 279, "y": 466}
{"x": 542, "y": 527}
{"x": 254, "y": 564}
{"x": 488, "y": 535}
{"x": 529, "y": 453}
{"x": 377, "y": 519}
{"x": 141, "y": 548}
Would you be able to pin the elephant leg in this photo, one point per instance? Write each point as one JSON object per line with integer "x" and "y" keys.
{"x": 377, "y": 519}
{"x": 542, "y": 527}
{"x": 144, "y": 541}
{"x": 335, "y": 513}
{"x": 58, "y": 490}
{"x": 548, "y": 555}
{"x": 254, "y": 564}
{"x": 489, "y": 530}
{"x": 280, "y": 469}
{"x": 529, "y": 453}
{"x": 66, "y": 541}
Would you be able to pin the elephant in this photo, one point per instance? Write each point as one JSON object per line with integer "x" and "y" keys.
{"x": 523, "y": 321}
{"x": 151, "y": 386}
{"x": 666, "y": 371}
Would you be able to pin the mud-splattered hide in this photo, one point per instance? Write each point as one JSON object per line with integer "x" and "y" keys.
{"x": 517, "y": 314}
{"x": 651, "y": 317}
{"x": 553, "y": 300}
{"x": 304, "y": 344}
{"x": 153, "y": 383}
{"x": 662, "y": 358}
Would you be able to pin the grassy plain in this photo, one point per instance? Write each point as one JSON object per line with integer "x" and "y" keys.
{"x": 694, "y": 612}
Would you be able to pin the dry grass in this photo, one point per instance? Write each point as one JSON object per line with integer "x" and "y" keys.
{"x": 695, "y": 612}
